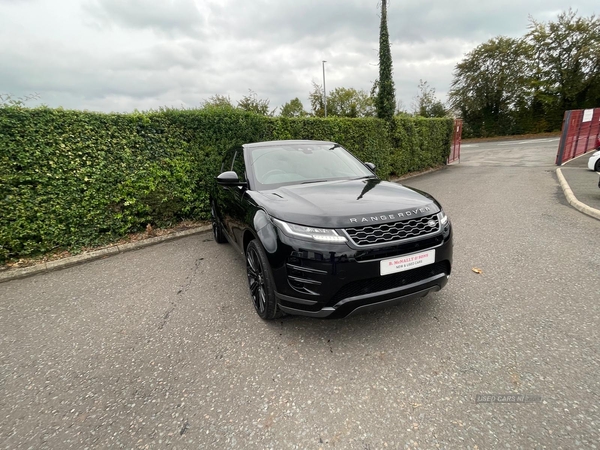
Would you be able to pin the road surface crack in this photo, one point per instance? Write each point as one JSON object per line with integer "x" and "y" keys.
{"x": 181, "y": 290}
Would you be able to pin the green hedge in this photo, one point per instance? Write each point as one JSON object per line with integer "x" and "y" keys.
{"x": 70, "y": 179}
{"x": 419, "y": 143}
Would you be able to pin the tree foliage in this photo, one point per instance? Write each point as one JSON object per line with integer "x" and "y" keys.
{"x": 511, "y": 86}
{"x": 293, "y": 108}
{"x": 567, "y": 63}
{"x": 218, "y": 101}
{"x": 250, "y": 102}
{"x": 491, "y": 83}
{"x": 386, "y": 97}
{"x": 10, "y": 100}
{"x": 316, "y": 100}
{"x": 342, "y": 102}
{"x": 349, "y": 102}
{"x": 427, "y": 104}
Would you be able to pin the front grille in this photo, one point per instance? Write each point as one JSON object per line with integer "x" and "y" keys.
{"x": 392, "y": 232}
{"x": 389, "y": 251}
{"x": 383, "y": 283}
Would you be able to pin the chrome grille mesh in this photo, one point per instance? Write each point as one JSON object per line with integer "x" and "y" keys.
{"x": 395, "y": 231}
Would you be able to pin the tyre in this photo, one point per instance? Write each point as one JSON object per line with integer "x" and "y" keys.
{"x": 217, "y": 229}
{"x": 260, "y": 282}
{"x": 597, "y": 166}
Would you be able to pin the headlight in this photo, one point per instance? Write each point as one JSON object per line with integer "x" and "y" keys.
{"x": 309, "y": 233}
{"x": 443, "y": 218}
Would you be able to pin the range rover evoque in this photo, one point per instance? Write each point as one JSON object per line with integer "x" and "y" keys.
{"x": 322, "y": 235}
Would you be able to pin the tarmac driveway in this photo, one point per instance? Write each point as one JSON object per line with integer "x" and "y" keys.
{"x": 160, "y": 348}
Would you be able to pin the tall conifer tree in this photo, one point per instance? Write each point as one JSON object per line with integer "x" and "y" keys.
{"x": 386, "y": 97}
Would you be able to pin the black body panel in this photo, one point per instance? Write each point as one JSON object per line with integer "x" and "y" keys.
{"x": 333, "y": 204}
{"x": 335, "y": 279}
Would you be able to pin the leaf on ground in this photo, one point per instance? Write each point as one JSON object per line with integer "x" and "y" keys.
{"x": 476, "y": 270}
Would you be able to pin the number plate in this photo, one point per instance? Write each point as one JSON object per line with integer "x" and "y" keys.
{"x": 406, "y": 262}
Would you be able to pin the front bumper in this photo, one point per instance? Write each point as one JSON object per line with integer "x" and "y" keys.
{"x": 370, "y": 302}
{"x": 335, "y": 280}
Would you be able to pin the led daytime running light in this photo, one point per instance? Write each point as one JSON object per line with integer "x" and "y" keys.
{"x": 443, "y": 218}
{"x": 312, "y": 233}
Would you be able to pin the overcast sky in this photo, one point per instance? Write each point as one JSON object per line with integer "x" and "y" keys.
{"x": 121, "y": 55}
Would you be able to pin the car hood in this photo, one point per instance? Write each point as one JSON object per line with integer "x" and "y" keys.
{"x": 346, "y": 203}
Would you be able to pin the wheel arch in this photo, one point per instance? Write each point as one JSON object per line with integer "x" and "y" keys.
{"x": 248, "y": 236}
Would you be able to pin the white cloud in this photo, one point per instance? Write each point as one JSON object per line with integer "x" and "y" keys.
{"x": 120, "y": 55}
{"x": 172, "y": 17}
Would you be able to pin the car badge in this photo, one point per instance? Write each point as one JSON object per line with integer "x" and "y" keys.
{"x": 431, "y": 223}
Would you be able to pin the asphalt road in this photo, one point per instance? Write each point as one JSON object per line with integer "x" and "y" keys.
{"x": 160, "y": 348}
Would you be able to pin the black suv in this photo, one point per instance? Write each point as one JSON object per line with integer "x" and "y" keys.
{"x": 322, "y": 235}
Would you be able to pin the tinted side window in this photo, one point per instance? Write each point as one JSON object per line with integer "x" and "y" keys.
{"x": 239, "y": 165}
{"x": 228, "y": 160}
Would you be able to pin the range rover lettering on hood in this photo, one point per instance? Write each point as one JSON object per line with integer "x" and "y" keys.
{"x": 399, "y": 215}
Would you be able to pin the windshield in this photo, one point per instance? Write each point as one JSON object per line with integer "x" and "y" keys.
{"x": 277, "y": 165}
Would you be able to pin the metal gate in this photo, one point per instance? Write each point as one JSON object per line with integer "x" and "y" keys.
{"x": 580, "y": 134}
{"x": 455, "y": 146}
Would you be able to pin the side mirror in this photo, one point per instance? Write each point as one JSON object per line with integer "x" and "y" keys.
{"x": 230, "y": 178}
{"x": 370, "y": 166}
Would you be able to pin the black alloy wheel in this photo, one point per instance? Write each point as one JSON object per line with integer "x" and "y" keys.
{"x": 260, "y": 282}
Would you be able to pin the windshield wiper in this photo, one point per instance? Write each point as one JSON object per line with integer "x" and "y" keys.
{"x": 365, "y": 177}
{"x": 313, "y": 181}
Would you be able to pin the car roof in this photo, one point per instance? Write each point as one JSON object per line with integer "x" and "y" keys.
{"x": 289, "y": 142}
